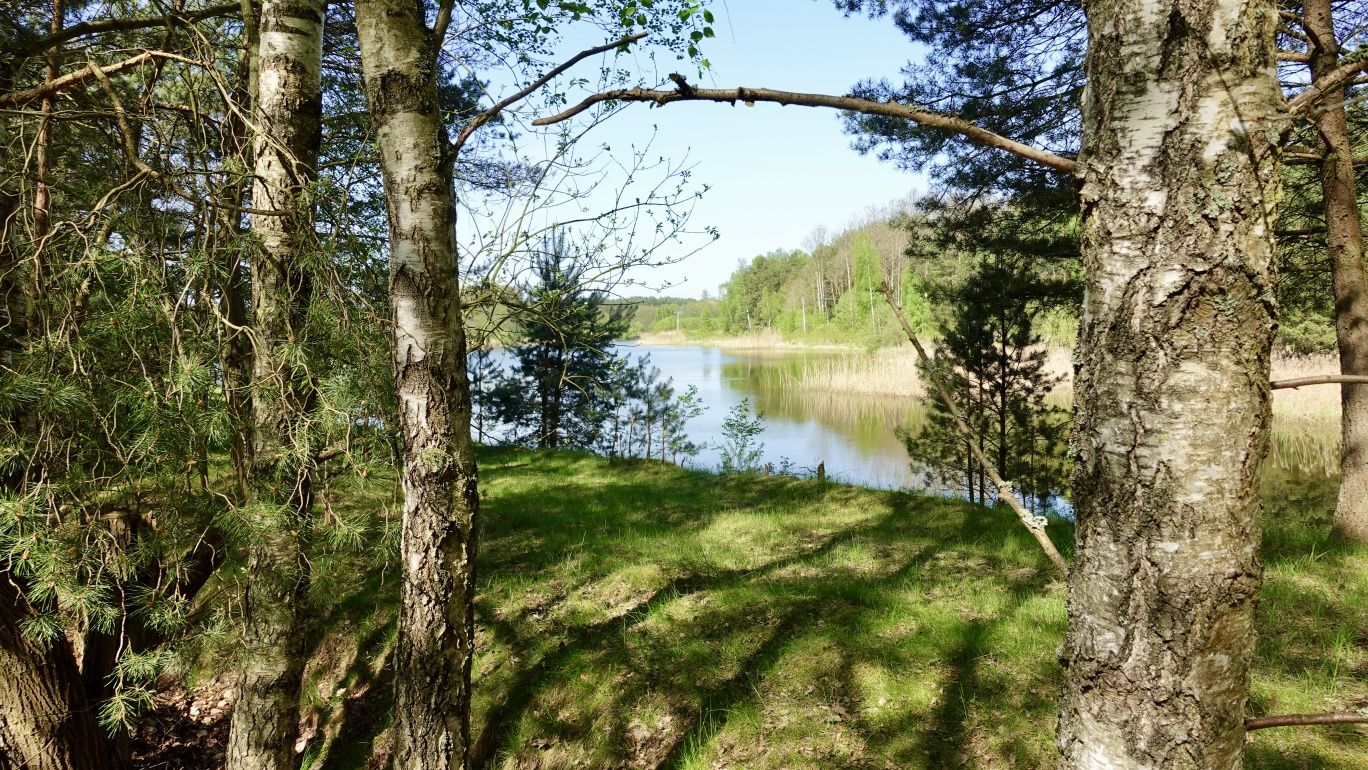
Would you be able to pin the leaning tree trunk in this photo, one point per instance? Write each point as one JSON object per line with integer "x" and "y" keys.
{"x": 265, "y": 718}
{"x": 436, "y": 623}
{"x": 1344, "y": 234}
{"x": 1172, "y": 404}
{"x": 46, "y": 723}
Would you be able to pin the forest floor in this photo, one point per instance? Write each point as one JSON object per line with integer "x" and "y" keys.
{"x": 643, "y": 616}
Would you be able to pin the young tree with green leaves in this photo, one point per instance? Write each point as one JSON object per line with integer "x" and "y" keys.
{"x": 740, "y": 447}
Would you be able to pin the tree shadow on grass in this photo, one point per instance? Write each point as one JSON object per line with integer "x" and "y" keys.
{"x": 610, "y": 634}
{"x": 698, "y": 644}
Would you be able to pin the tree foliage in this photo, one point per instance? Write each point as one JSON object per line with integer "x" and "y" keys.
{"x": 990, "y": 359}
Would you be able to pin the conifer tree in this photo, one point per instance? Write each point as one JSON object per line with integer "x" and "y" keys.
{"x": 565, "y": 368}
{"x": 990, "y": 358}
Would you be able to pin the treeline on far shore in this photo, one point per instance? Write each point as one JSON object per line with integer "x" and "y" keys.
{"x": 828, "y": 291}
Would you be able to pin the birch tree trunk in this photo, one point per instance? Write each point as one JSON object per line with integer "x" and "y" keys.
{"x": 265, "y": 718}
{"x": 436, "y": 622}
{"x": 1172, "y": 404}
{"x": 46, "y": 723}
{"x": 1344, "y": 235}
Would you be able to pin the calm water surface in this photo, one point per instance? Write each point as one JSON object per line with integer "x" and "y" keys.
{"x": 855, "y": 435}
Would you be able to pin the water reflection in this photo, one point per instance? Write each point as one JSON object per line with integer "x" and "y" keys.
{"x": 854, "y": 435}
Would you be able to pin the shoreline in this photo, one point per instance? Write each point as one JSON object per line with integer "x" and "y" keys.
{"x": 743, "y": 342}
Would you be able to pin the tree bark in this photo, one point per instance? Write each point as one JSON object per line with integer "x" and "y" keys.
{"x": 265, "y": 718}
{"x": 1178, "y": 189}
{"x": 436, "y": 641}
{"x": 1344, "y": 236}
{"x": 237, "y": 349}
{"x": 46, "y": 723}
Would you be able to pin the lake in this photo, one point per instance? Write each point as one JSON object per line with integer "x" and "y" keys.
{"x": 852, "y": 435}
{"x": 855, "y": 435}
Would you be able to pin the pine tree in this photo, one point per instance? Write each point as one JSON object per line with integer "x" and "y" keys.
{"x": 565, "y": 369}
{"x": 990, "y": 358}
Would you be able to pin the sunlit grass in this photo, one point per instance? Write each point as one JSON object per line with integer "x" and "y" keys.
{"x": 643, "y": 616}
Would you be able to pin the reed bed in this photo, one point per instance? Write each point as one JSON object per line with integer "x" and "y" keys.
{"x": 1305, "y": 440}
{"x": 887, "y": 372}
{"x": 1306, "y": 420}
{"x": 894, "y": 372}
{"x": 1319, "y": 403}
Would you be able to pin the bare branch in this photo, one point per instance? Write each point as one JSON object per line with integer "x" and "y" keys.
{"x": 123, "y": 25}
{"x": 1297, "y": 720}
{"x": 441, "y": 23}
{"x": 685, "y": 92}
{"x": 1329, "y": 83}
{"x": 1033, "y": 523}
{"x": 79, "y": 76}
{"x": 1324, "y": 379}
{"x": 494, "y": 112}
{"x": 1305, "y": 156}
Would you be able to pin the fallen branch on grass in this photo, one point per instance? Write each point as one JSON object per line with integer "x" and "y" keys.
{"x": 1298, "y": 720}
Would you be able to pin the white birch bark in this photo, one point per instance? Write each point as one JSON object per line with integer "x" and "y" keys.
{"x": 287, "y": 118}
{"x": 436, "y": 641}
{"x": 1172, "y": 407}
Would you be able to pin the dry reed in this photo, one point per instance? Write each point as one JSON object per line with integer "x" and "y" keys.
{"x": 1305, "y": 420}
{"x": 894, "y": 372}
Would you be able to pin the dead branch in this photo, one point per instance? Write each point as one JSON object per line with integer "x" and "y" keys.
{"x": 79, "y": 76}
{"x": 684, "y": 92}
{"x": 123, "y": 25}
{"x": 1329, "y": 83}
{"x": 1324, "y": 379}
{"x": 1035, "y": 524}
{"x": 1298, "y": 720}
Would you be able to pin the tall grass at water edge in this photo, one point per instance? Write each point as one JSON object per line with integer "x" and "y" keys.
{"x": 1305, "y": 420}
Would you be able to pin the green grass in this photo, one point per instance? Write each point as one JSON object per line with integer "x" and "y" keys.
{"x": 645, "y": 616}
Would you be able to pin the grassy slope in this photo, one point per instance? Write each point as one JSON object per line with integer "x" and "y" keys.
{"x": 646, "y": 616}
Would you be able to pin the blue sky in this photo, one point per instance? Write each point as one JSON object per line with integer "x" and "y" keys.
{"x": 775, "y": 173}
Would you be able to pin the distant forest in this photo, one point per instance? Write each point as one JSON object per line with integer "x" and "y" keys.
{"x": 827, "y": 292}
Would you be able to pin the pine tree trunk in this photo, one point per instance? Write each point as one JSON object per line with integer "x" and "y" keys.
{"x": 436, "y": 642}
{"x": 1178, "y": 189}
{"x": 1344, "y": 234}
{"x": 46, "y": 723}
{"x": 237, "y": 352}
{"x": 265, "y": 718}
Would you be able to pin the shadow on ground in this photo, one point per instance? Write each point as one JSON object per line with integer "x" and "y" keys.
{"x": 647, "y": 617}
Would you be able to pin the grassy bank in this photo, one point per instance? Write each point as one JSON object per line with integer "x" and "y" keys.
{"x": 645, "y": 616}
